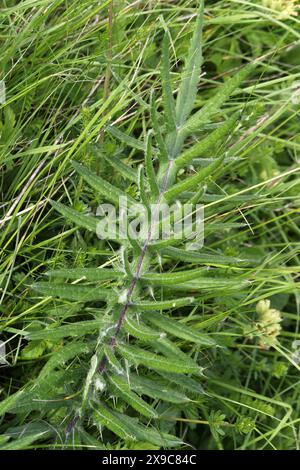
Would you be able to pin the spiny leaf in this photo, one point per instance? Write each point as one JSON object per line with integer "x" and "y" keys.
{"x": 122, "y": 388}
{"x": 167, "y": 95}
{"x": 142, "y": 188}
{"x": 191, "y": 72}
{"x": 7, "y": 404}
{"x": 193, "y": 182}
{"x": 207, "y": 143}
{"x": 87, "y": 221}
{"x": 184, "y": 382}
{"x": 112, "y": 193}
{"x": 128, "y": 428}
{"x": 66, "y": 353}
{"x": 176, "y": 328}
{"x": 23, "y": 442}
{"x": 139, "y": 330}
{"x": 126, "y": 139}
{"x": 104, "y": 416}
{"x": 163, "y": 152}
{"x": 42, "y": 394}
{"x": 76, "y": 329}
{"x": 90, "y": 441}
{"x": 157, "y": 389}
{"x": 124, "y": 169}
{"x": 172, "y": 352}
{"x": 156, "y": 437}
{"x": 149, "y": 168}
{"x": 74, "y": 292}
{"x": 112, "y": 360}
{"x": 210, "y": 259}
{"x": 88, "y": 274}
{"x": 210, "y": 284}
{"x": 164, "y": 279}
{"x": 162, "y": 304}
{"x": 139, "y": 356}
{"x": 202, "y": 116}
{"x": 35, "y": 428}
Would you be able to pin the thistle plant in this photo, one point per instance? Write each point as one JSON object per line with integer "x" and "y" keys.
{"x": 139, "y": 297}
{"x": 118, "y": 330}
{"x": 139, "y": 352}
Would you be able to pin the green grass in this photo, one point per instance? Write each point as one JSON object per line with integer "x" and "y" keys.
{"x": 74, "y": 81}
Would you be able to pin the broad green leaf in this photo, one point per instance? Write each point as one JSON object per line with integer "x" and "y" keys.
{"x": 42, "y": 395}
{"x": 178, "y": 329}
{"x": 156, "y": 437}
{"x": 91, "y": 442}
{"x": 23, "y": 442}
{"x": 139, "y": 356}
{"x": 3, "y": 440}
{"x": 33, "y": 350}
{"x": 7, "y": 404}
{"x": 161, "y": 244}
{"x": 210, "y": 284}
{"x": 35, "y": 428}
